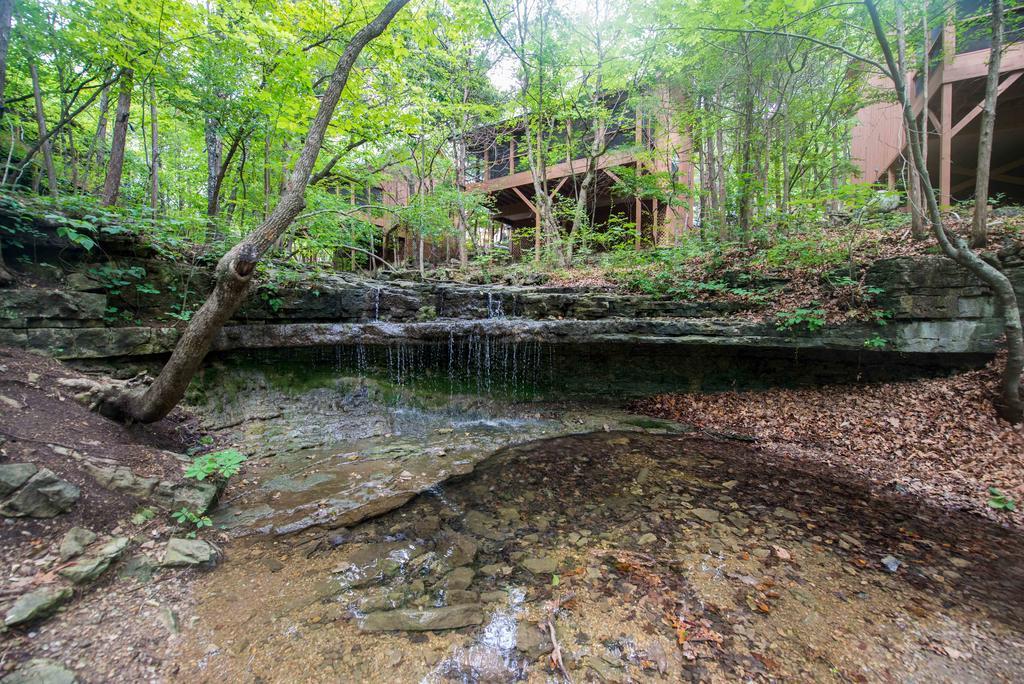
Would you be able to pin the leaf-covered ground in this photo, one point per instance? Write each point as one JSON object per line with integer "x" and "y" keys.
{"x": 936, "y": 438}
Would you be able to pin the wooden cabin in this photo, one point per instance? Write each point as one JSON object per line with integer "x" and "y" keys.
{"x": 954, "y": 97}
{"x": 644, "y": 138}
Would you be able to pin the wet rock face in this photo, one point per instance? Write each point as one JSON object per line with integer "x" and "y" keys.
{"x": 43, "y": 495}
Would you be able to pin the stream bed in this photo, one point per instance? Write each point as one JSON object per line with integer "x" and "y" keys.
{"x": 390, "y": 534}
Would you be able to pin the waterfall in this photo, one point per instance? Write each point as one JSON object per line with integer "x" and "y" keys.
{"x": 376, "y": 303}
{"x": 494, "y": 307}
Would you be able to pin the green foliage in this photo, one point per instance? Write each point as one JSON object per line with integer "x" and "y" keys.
{"x": 999, "y": 501}
{"x": 142, "y": 516}
{"x": 185, "y": 516}
{"x": 876, "y": 341}
{"x": 808, "y": 319}
{"x": 221, "y": 463}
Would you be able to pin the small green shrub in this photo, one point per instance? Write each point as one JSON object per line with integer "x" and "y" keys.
{"x": 809, "y": 319}
{"x": 223, "y": 463}
{"x": 184, "y": 515}
{"x": 1000, "y": 501}
{"x": 876, "y": 342}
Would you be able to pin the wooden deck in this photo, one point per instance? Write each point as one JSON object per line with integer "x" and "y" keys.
{"x": 954, "y": 100}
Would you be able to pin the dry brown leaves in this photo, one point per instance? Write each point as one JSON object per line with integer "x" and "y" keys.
{"x": 938, "y": 437}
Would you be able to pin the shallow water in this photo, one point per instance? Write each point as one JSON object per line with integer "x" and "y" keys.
{"x": 651, "y": 557}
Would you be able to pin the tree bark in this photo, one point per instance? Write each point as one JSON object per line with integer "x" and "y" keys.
{"x": 6, "y": 11}
{"x": 979, "y": 226}
{"x": 235, "y": 270}
{"x": 115, "y": 166}
{"x": 1011, "y": 404}
{"x": 99, "y": 145}
{"x": 51, "y": 172}
{"x": 154, "y": 185}
{"x": 214, "y": 174}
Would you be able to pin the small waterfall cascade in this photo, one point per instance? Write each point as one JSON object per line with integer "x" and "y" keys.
{"x": 478, "y": 363}
{"x": 494, "y": 306}
{"x": 376, "y": 303}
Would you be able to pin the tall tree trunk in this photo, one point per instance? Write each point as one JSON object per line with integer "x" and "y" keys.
{"x": 979, "y": 226}
{"x": 154, "y": 186}
{"x": 235, "y": 270}
{"x": 6, "y": 11}
{"x": 99, "y": 144}
{"x": 922, "y": 232}
{"x": 1011, "y": 403}
{"x": 214, "y": 177}
{"x": 115, "y": 167}
{"x": 37, "y": 94}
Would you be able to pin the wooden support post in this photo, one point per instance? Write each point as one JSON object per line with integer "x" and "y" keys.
{"x": 946, "y": 145}
{"x": 891, "y": 179}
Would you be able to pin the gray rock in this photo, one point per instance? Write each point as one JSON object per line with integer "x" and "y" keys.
{"x": 706, "y": 514}
{"x": 75, "y": 541}
{"x": 139, "y": 567}
{"x": 785, "y": 514}
{"x": 498, "y": 596}
{"x": 122, "y": 479}
{"x": 44, "y": 495}
{"x": 532, "y": 640}
{"x": 646, "y": 539}
{"x": 456, "y": 549}
{"x": 891, "y": 563}
{"x": 459, "y": 579}
{"x": 36, "y": 605}
{"x": 425, "y": 620}
{"x": 88, "y": 568}
{"x": 540, "y": 565}
{"x": 11, "y": 403}
{"x": 188, "y": 552}
{"x": 13, "y": 475}
{"x": 41, "y": 671}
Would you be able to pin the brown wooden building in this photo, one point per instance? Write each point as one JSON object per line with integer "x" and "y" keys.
{"x": 643, "y": 137}
{"x": 955, "y": 92}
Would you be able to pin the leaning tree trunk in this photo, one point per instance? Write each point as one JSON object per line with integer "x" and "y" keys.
{"x": 115, "y": 167}
{"x": 1011, "y": 405}
{"x": 235, "y": 269}
{"x": 979, "y": 226}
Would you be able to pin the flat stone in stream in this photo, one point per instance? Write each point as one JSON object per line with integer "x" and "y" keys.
{"x": 540, "y": 565}
{"x": 425, "y": 620}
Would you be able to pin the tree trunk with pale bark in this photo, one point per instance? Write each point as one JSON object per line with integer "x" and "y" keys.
{"x": 235, "y": 270}
{"x": 1010, "y": 404}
